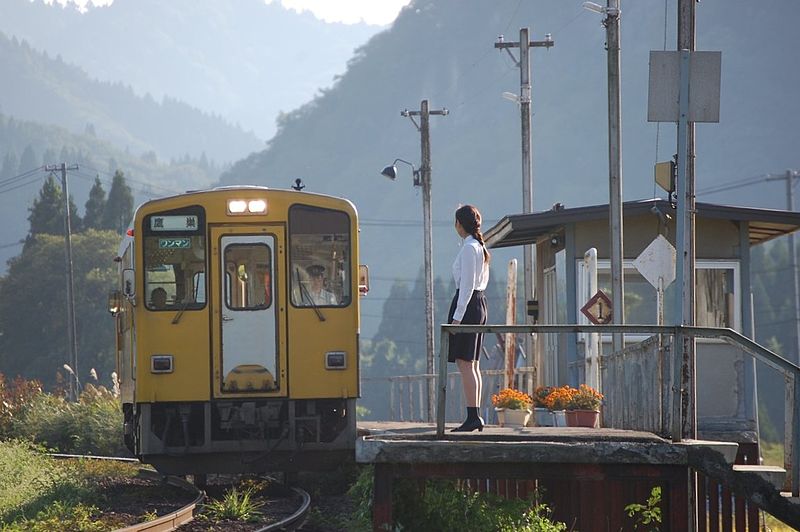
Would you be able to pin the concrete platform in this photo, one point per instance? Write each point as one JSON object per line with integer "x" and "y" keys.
{"x": 416, "y": 443}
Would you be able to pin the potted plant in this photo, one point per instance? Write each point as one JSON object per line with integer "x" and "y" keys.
{"x": 583, "y": 408}
{"x": 557, "y": 401}
{"x": 512, "y": 407}
{"x": 542, "y": 415}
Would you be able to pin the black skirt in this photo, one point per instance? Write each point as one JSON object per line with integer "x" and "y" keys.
{"x": 467, "y": 346}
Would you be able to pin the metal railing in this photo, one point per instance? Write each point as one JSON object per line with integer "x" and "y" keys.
{"x": 674, "y": 375}
{"x": 408, "y": 394}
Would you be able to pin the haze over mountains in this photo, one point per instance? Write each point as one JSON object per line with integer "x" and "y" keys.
{"x": 245, "y": 60}
{"x": 211, "y": 55}
{"x": 442, "y": 50}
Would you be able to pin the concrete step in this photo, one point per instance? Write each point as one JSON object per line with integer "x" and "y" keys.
{"x": 772, "y": 474}
{"x": 788, "y": 496}
{"x": 727, "y": 449}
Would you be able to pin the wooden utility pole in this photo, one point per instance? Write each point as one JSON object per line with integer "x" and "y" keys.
{"x": 524, "y": 45}
{"x": 611, "y": 23}
{"x": 72, "y": 346}
{"x": 423, "y": 179}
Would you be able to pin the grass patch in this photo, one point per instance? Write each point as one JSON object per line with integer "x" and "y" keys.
{"x": 236, "y": 504}
{"x": 772, "y": 453}
{"x": 39, "y": 493}
{"x": 444, "y": 506}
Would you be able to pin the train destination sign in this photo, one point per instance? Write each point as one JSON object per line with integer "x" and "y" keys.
{"x": 182, "y": 222}
{"x": 174, "y": 243}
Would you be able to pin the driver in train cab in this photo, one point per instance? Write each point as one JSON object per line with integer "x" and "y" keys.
{"x": 317, "y": 292}
{"x": 158, "y": 298}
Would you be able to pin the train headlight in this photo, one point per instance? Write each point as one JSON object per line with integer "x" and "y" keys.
{"x": 161, "y": 364}
{"x": 258, "y": 206}
{"x": 253, "y": 206}
{"x": 237, "y": 206}
{"x": 335, "y": 360}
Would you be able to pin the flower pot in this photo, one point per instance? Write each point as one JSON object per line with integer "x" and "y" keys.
{"x": 516, "y": 418}
{"x": 583, "y": 418}
{"x": 559, "y": 418}
{"x": 501, "y": 416}
{"x": 542, "y": 417}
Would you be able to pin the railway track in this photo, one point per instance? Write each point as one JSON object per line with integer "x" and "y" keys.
{"x": 187, "y": 513}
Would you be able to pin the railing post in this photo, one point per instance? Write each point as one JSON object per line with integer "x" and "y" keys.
{"x": 794, "y": 465}
{"x": 441, "y": 388}
{"x": 677, "y": 395}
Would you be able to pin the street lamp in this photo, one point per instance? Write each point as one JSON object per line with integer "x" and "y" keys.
{"x": 422, "y": 178}
{"x": 391, "y": 171}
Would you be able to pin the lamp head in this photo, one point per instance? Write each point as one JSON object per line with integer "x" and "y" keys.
{"x": 390, "y": 172}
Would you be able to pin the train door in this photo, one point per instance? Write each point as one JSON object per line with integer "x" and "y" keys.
{"x": 249, "y": 355}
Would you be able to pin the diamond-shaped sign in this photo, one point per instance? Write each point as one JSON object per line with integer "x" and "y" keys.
{"x": 657, "y": 261}
{"x": 598, "y": 309}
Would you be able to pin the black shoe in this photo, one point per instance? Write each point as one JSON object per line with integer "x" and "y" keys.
{"x": 469, "y": 425}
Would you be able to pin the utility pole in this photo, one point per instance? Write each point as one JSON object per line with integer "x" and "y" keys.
{"x": 72, "y": 347}
{"x": 423, "y": 179}
{"x": 790, "y": 176}
{"x": 524, "y": 45}
{"x": 611, "y": 23}
{"x": 686, "y": 159}
{"x": 686, "y": 228}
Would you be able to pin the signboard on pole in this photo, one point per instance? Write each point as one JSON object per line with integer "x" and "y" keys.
{"x": 598, "y": 309}
{"x": 704, "y": 86}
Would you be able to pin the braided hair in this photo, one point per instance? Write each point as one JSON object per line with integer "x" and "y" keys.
{"x": 470, "y": 219}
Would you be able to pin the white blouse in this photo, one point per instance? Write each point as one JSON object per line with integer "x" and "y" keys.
{"x": 470, "y": 272}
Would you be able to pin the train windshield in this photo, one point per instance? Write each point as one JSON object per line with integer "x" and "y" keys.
{"x": 319, "y": 255}
{"x": 174, "y": 260}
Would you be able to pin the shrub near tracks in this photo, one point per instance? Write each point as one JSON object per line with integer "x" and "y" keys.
{"x": 93, "y": 425}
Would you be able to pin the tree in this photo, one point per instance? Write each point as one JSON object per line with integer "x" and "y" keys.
{"x": 10, "y": 165}
{"x": 33, "y": 301}
{"x": 28, "y": 160}
{"x": 47, "y": 213}
{"x": 119, "y": 207}
{"x": 95, "y": 206}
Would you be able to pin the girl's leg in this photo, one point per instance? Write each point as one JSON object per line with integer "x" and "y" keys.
{"x": 479, "y": 382}
{"x": 468, "y": 381}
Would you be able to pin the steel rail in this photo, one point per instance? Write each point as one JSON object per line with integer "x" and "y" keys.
{"x": 297, "y": 519}
{"x": 185, "y": 514}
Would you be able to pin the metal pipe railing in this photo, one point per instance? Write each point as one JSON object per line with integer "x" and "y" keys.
{"x": 791, "y": 372}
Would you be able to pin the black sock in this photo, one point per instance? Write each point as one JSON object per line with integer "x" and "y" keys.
{"x": 472, "y": 413}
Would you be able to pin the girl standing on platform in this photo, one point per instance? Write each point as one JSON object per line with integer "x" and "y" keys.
{"x": 471, "y": 274}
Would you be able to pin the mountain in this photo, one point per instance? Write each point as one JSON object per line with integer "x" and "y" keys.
{"x": 26, "y": 147}
{"x": 50, "y": 91}
{"x": 245, "y": 60}
{"x": 442, "y": 50}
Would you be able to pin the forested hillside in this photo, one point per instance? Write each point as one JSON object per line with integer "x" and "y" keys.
{"x": 49, "y": 91}
{"x": 26, "y": 147}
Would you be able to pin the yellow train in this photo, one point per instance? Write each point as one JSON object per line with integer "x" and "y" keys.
{"x": 237, "y": 320}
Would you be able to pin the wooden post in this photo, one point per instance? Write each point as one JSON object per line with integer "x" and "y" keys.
{"x": 511, "y": 318}
{"x": 382, "y": 498}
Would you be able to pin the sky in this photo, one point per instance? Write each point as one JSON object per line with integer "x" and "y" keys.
{"x": 377, "y": 12}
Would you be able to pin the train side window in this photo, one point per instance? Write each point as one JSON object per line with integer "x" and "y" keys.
{"x": 320, "y": 255}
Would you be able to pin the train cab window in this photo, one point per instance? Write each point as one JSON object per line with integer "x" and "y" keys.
{"x": 174, "y": 260}
{"x": 248, "y": 271}
{"x": 319, "y": 255}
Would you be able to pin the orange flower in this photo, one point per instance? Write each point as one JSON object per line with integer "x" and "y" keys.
{"x": 512, "y": 399}
{"x": 585, "y": 398}
{"x": 559, "y": 397}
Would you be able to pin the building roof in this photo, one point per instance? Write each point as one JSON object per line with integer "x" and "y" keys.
{"x": 520, "y": 229}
